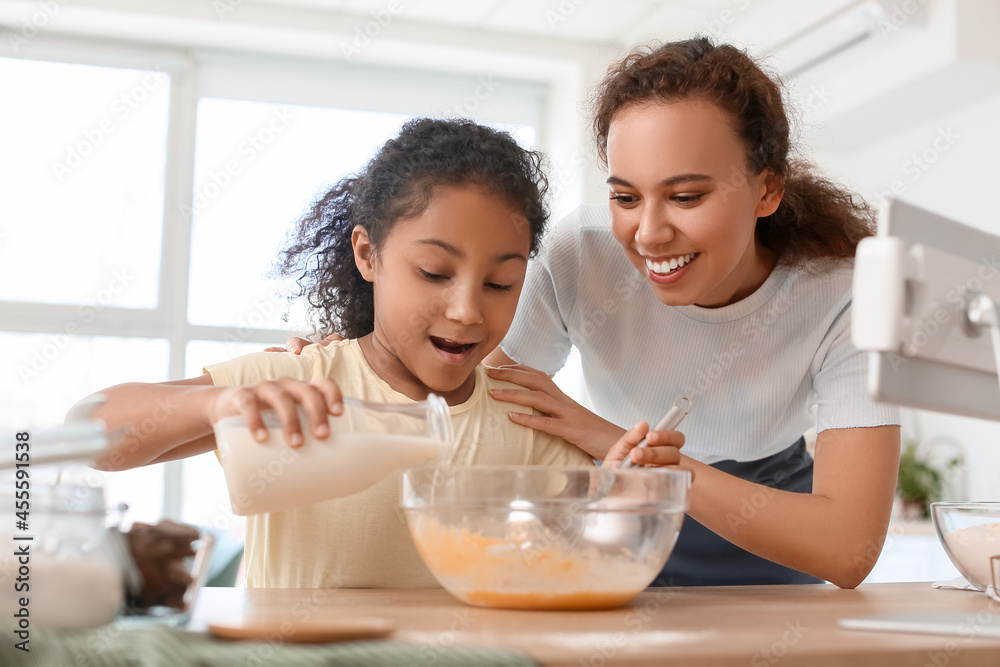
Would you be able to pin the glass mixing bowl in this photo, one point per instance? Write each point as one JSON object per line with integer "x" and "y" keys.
{"x": 970, "y": 535}
{"x": 530, "y": 537}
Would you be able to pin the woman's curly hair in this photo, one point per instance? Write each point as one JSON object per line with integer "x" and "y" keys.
{"x": 816, "y": 218}
{"x": 398, "y": 183}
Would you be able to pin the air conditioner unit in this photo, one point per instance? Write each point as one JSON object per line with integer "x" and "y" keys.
{"x": 830, "y": 36}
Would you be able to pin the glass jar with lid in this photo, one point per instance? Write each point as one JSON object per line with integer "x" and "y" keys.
{"x": 78, "y": 565}
{"x": 65, "y": 566}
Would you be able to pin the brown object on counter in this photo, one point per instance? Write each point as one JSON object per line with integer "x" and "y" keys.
{"x": 317, "y": 631}
{"x": 159, "y": 552}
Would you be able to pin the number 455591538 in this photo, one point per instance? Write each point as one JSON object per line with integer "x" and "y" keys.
{"x": 22, "y": 476}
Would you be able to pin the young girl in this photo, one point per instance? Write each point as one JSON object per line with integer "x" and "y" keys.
{"x": 418, "y": 262}
{"x": 735, "y": 287}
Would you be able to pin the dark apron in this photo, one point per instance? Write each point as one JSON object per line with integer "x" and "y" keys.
{"x": 702, "y": 558}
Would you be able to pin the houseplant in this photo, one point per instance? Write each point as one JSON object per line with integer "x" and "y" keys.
{"x": 919, "y": 482}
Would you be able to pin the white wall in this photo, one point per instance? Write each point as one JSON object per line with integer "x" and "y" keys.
{"x": 956, "y": 177}
{"x": 918, "y": 111}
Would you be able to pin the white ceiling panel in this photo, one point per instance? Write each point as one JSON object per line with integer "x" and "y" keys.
{"x": 756, "y": 24}
{"x": 450, "y": 12}
{"x": 772, "y": 23}
{"x": 595, "y": 22}
{"x": 321, "y": 5}
{"x": 368, "y": 6}
{"x": 672, "y": 22}
{"x": 530, "y": 17}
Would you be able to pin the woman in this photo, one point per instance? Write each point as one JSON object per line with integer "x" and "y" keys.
{"x": 735, "y": 288}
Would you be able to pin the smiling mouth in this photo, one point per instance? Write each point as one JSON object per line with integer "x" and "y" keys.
{"x": 666, "y": 267}
{"x": 450, "y": 346}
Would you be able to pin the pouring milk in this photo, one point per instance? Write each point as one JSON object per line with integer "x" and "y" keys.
{"x": 366, "y": 443}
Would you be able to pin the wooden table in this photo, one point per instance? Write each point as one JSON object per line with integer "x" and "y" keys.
{"x": 740, "y": 625}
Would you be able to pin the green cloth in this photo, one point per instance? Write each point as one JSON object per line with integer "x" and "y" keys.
{"x": 163, "y": 646}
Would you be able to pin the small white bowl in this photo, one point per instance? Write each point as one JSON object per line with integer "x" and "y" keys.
{"x": 970, "y": 535}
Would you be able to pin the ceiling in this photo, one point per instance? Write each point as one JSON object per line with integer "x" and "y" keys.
{"x": 450, "y": 34}
{"x": 757, "y": 24}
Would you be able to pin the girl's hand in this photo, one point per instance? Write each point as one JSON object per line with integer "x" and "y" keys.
{"x": 562, "y": 416}
{"x": 318, "y": 399}
{"x": 663, "y": 447}
{"x": 295, "y": 345}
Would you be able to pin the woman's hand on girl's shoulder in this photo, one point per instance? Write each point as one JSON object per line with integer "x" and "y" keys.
{"x": 318, "y": 399}
{"x": 663, "y": 447}
{"x": 561, "y": 415}
{"x": 295, "y": 345}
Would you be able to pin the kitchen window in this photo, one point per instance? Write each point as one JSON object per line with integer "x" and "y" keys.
{"x": 146, "y": 195}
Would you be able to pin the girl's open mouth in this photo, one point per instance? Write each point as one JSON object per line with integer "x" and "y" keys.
{"x": 452, "y": 349}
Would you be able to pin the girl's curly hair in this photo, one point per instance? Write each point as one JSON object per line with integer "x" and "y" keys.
{"x": 398, "y": 183}
{"x": 816, "y": 218}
